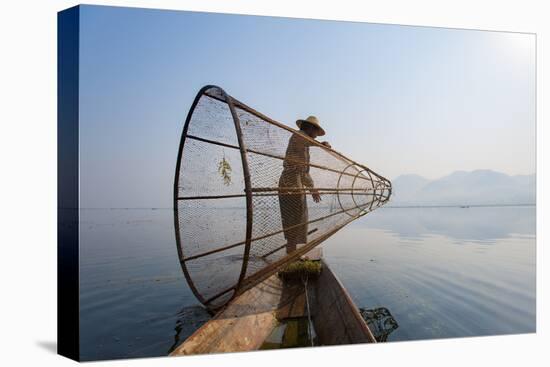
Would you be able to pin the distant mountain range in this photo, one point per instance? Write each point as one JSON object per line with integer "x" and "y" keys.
{"x": 483, "y": 187}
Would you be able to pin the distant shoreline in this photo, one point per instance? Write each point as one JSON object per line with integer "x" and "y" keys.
{"x": 465, "y": 206}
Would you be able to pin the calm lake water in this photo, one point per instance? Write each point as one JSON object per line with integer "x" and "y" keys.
{"x": 442, "y": 272}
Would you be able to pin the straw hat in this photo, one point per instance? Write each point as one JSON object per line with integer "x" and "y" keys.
{"x": 313, "y": 121}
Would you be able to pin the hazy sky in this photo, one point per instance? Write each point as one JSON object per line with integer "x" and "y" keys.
{"x": 398, "y": 99}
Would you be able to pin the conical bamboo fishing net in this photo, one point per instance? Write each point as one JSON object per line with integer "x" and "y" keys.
{"x": 241, "y": 205}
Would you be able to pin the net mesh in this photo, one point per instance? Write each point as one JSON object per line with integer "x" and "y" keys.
{"x": 245, "y": 195}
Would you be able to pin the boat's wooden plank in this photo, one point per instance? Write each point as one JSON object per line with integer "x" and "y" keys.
{"x": 315, "y": 253}
{"x": 293, "y": 301}
{"x": 337, "y": 320}
{"x": 246, "y": 321}
{"x": 243, "y": 325}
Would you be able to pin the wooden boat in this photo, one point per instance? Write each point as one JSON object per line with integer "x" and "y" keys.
{"x": 261, "y": 317}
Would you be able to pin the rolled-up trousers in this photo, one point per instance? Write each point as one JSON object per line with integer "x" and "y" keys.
{"x": 294, "y": 215}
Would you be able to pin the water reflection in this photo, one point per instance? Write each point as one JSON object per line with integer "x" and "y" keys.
{"x": 188, "y": 318}
{"x": 441, "y": 280}
{"x": 478, "y": 224}
{"x": 431, "y": 267}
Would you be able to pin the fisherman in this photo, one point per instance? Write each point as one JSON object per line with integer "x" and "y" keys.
{"x": 295, "y": 180}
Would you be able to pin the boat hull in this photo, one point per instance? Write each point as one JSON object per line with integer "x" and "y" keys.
{"x": 246, "y": 322}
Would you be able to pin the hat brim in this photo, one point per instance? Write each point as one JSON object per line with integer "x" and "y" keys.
{"x": 321, "y": 130}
